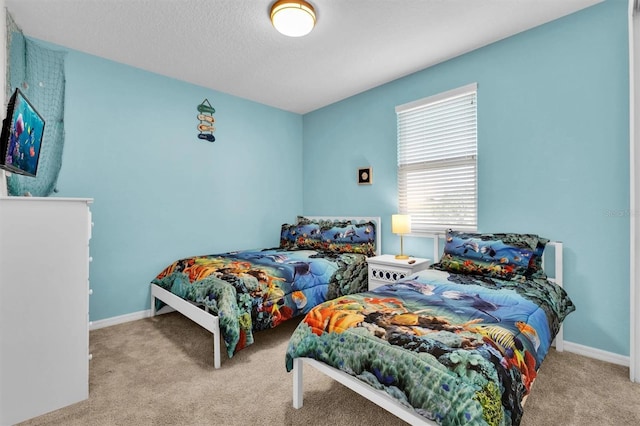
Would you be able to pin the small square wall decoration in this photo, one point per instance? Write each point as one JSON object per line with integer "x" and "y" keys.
{"x": 364, "y": 176}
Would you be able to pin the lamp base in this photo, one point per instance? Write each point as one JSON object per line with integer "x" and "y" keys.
{"x": 401, "y": 256}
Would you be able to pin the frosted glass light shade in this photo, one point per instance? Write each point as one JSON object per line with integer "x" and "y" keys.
{"x": 293, "y": 18}
{"x": 401, "y": 224}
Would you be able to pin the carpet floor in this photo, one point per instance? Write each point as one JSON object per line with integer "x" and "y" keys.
{"x": 159, "y": 371}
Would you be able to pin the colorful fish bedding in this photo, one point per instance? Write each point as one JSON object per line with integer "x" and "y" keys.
{"x": 459, "y": 349}
{"x": 253, "y": 290}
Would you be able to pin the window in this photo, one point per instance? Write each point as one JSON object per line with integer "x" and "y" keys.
{"x": 437, "y": 170}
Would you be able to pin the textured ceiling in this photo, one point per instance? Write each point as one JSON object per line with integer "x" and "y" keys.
{"x": 230, "y": 45}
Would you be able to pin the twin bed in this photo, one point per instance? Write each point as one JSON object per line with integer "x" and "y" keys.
{"x": 460, "y": 343}
{"x": 236, "y": 293}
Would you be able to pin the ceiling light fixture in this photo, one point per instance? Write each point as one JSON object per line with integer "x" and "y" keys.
{"x": 293, "y": 18}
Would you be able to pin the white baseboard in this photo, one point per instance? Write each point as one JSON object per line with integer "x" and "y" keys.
{"x": 575, "y": 348}
{"x": 107, "y": 322}
{"x": 598, "y": 354}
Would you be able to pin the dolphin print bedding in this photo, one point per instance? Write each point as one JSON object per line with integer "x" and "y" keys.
{"x": 236, "y": 293}
{"x": 458, "y": 348}
{"x": 252, "y": 290}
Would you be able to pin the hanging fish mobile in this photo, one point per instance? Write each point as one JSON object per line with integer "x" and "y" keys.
{"x": 206, "y": 120}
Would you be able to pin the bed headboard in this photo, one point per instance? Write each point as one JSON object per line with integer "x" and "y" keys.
{"x": 357, "y": 219}
{"x": 557, "y": 278}
{"x": 436, "y": 245}
{"x": 557, "y": 262}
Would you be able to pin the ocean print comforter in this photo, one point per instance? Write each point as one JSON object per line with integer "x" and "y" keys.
{"x": 460, "y": 349}
{"x": 253, "y": 290}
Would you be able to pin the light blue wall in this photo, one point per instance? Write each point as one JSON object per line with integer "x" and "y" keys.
{"x": 160, "y": 192}
{"x": 553, "y": 145}
{"x": 553, "y": 159}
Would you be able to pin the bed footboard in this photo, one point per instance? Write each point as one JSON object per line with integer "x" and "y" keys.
{"x": 205, "y": 319}
{"x": 376, "y": 396}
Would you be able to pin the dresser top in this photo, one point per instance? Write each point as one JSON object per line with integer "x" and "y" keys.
{"x": 52, "y": 199}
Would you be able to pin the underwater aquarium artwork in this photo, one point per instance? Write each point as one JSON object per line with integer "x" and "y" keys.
{"x": 21, "y": 138}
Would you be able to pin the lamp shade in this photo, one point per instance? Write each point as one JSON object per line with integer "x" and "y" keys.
{"x": 401, "y": 224}
{"x": 293, "y": 18}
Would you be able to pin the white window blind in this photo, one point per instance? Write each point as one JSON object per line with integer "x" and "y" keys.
{"x": 437, "y": 168}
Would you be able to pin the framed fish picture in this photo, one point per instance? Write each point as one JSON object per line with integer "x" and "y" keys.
{"x": 365, "y": 176}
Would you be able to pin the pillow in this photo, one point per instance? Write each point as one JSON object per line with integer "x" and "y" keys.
{"x": 504, "y": 256}
{"x": 336, "y": 236}
{"x": 300, "y": 236}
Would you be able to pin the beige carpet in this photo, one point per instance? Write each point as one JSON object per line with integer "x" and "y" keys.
{"x": 159, "y": 371}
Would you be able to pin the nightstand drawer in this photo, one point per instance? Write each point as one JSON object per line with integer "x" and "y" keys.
{"x": 387, "y": 274}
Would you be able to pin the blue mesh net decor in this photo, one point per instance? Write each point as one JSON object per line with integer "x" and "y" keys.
{"x": 39, "y": 73}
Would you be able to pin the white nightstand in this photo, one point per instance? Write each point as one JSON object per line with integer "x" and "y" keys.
{"x": 386, "y": 269}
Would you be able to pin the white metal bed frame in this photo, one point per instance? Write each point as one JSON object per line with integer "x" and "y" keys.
{"x": 209, "y": 321}
{"x": 381, "y": 398}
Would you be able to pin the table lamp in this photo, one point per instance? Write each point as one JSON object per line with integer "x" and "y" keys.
{"x": 401, "y": 224}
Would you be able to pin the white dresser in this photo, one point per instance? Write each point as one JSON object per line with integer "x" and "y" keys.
{"x": 44, "y": 305}
{"x": 386, "y": 269}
